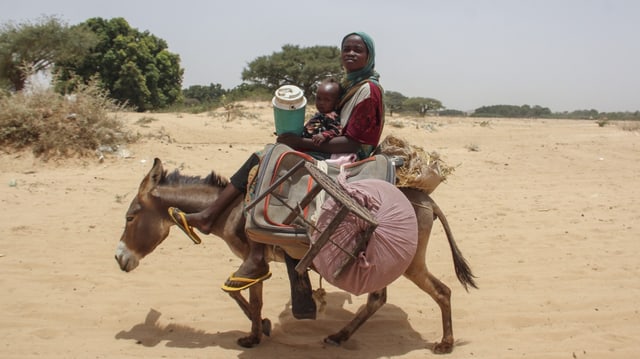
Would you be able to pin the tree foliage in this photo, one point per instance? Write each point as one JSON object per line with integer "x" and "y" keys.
{"x": 303, "y": 67}
{"x": 250, "y": 92}
{"x": 397, "y": 102}
{"x": 393, "y": 101}
{"x": 29, "y": 47}
{"x": 204, "y": 94}
{"x": 135, "y": 67}
{"x": 511, "y": 111}
{"x": 452, "y": 113}
{"x": 421, "y": 105}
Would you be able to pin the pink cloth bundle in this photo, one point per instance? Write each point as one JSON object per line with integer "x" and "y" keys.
{"x": 391, "y": 247}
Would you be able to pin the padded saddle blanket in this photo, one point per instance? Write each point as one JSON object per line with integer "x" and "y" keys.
{"x": 264, "y": 219}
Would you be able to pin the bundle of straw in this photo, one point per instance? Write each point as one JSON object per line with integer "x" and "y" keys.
{"x": 421, "y": 170}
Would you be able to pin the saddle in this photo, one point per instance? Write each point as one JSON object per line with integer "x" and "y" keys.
{"x": 269, "y": 217}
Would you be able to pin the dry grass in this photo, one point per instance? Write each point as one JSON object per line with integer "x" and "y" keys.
{"x": 472, "y": 147}
{"x": 55, "y": 126}
{"x": 632, "y": 126}
{"x": 421, "y": 169}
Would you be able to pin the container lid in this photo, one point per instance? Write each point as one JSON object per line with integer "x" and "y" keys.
{"x": 291, "y": 106}
{"x": 289, "y": 94}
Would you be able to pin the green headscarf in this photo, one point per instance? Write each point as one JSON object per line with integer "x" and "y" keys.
{"x": 368, "y": 72}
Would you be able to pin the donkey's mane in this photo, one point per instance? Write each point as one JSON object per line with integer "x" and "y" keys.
{"x": 175, "y": 178}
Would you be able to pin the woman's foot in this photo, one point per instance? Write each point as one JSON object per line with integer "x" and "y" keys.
{"x": 248, "y": 274}
{"x": 205, "y": 219}
{"x": 199, "y": 221}
{"x": 180, "y": 219}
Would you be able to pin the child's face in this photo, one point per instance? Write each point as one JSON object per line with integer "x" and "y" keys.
{"x": 327, "y": 97}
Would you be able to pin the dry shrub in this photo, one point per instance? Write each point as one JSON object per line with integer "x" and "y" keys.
{"x": 632, "y": 126}
{"x": 53, "y": 126}
{"x": 421, "y": 170}
{"x": 233, "y": 111}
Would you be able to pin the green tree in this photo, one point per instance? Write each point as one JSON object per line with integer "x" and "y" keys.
{"x": 393, "y": 101}
{"x": 586, "y": 114}
{"x": 135, "y": 67}
{"x": 204, "y": 94}
{"x": 251, "y": 92}
{"x": 29, "y": 47}
{"x": 422, "y": 105}
{"x": 452, "y": 113}
{"x": 511, "y": 111}
{"x": 303, "y": 67}
{"x": 539, "y": 111}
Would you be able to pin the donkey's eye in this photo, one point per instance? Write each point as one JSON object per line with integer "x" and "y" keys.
{"x": 129, "y": 218}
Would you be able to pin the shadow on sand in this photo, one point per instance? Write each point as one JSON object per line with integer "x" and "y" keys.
{"x": 151, "y": 333}
{"x": 388, "y": 333}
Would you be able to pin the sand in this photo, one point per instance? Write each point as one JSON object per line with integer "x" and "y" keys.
{"x": 547, "y": 212}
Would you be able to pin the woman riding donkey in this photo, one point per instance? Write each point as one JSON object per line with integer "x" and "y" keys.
{"x": 361, "y": 112}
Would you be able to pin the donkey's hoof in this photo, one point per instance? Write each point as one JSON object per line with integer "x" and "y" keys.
{"x": 329, "y": 340}
{"x": 336, "y": 339}
{"x": 443, "y": 348}
{"x": 266, "y": 327}
{"x": 248, "y": 342}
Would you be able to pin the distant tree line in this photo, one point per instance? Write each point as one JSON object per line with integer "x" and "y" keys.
{"x": 526, "y": 111}
{"x": 595, "y": 115}
{"x": 523, "y": 111}
{"x": 395, "y": 102}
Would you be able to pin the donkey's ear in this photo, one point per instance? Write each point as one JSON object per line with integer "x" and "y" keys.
{"x": 152, "y": 178}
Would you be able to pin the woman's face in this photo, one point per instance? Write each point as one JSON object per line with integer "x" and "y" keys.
{"x": 354, "y": 53}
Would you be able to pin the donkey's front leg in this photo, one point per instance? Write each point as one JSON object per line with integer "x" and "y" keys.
{"x": 375, "y": 300}
{"x": 253, "y": 310}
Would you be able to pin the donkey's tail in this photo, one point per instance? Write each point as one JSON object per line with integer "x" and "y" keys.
{"x": 463, "y": 271}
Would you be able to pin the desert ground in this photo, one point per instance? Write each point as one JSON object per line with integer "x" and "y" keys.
{"x": 547, "y": 212}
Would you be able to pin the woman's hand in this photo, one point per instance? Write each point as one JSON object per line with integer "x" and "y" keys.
{"x": 318, "y": 139}
{"x": 338, "y": 144}
{"x": 290, "y": 139}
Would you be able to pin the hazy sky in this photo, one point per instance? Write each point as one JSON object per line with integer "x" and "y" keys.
{"x": 562, "y": 54}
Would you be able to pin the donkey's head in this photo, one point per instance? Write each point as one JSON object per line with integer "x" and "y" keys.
{"x": 147, "y": 222}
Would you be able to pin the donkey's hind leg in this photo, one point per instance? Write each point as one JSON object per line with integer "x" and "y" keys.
{"x": 442, "y": 295}
{"x": 253, "y": 310}
{"x": 418, "y": 273}
{"x": 375, "y": 300}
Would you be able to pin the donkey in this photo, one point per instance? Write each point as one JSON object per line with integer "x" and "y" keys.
{"x": 148, "y": 224}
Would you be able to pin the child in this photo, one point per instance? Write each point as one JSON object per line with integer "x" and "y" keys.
{"x": 325, "y": 124}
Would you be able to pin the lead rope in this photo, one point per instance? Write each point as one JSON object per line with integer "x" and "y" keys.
{"x": 319, "y": 296}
